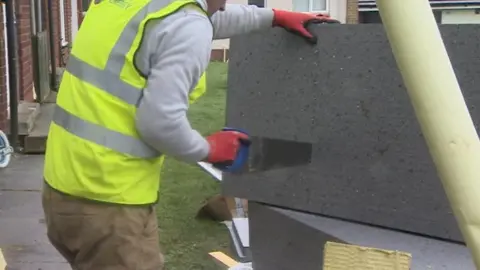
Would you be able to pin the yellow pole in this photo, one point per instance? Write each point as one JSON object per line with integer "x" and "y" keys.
{"x": 440, "y": 108}
{"x": 3, "y": 263}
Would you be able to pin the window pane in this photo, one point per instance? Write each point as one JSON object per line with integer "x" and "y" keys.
{"x": 258, "y": 3}
{"x": 301, "y": 5}
{"x": 319, "y": 5}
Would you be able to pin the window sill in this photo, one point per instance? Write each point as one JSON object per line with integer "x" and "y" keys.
{"x": 319, "y": 12}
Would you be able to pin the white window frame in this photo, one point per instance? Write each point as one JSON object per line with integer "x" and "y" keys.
{"x": 310, "y": 5}
{"x": 63, "y": 34}
{"x": 327, "y": 6}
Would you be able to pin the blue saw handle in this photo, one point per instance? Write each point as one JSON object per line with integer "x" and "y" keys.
{"x": 242, "y": 155}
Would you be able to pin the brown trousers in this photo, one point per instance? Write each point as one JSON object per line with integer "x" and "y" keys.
{"x": 96, "y": 236}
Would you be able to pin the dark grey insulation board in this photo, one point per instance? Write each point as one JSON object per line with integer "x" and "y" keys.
{"x": 283, "y": 239}
{"x": 345, "y": 95}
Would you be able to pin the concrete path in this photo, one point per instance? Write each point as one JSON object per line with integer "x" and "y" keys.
{"x": 23, "y": 241}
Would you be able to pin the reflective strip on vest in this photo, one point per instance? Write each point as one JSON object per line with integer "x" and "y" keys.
{"x": 102, "y": 136}
{"x": 108, "y": 80}
{"x": 104, "y": 79}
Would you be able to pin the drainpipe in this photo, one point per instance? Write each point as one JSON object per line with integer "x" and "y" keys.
{"x": 12, "y": 72}
{"x": 53, "y": 65}
{"x": 33, "y": 19}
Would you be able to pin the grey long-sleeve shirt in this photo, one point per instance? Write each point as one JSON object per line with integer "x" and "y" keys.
{"x": 174, "y": 56}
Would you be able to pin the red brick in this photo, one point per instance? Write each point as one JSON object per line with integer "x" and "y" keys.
{"x": 25, "y": 61}
{"x": 80, "y": 9}
{"x": 68, "y": 31}
{"x": 68, "y": 20}
{"x": 24, "y": 49}
{"x": 56, "y": 26}
{"x": 3, "y": 74}
{"x": 219, "y": 55}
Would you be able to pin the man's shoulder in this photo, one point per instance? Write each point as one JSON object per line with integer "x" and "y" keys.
{"x": 184, "y": 32}
{"x": 186, "y": 21}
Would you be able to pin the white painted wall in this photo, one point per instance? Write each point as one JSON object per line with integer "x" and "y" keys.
{"x": 337, "y": 10}
{"x": 460, "y": 17}
{"x": 74, "y": 5}
{"x": 63, "y": 35}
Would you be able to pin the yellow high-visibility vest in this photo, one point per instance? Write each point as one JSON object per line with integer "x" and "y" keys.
{"x": 93, "y": 148}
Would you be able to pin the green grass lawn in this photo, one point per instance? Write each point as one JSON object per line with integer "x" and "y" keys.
{"x": 184, "y": 188}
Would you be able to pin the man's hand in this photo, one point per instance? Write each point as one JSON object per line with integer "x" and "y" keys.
{"x": 224, "y": 146}
{"x": 297, "y": 22}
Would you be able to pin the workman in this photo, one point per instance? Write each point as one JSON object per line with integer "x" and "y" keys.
{"x": 134, "y": 68}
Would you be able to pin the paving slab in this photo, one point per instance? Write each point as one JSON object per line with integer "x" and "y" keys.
{"x": 344, "y": 95}
{"x": 23, "y": 239}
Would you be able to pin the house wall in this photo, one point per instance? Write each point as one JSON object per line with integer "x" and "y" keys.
{"x": 24, "y": 50}
{"x": 337, "y": 7}
{"x": 220, "y": 47}
{"x": 460, "y": 16}
{"x": 3, "y": 74}
{"x": 224, "y": 43}
{"x": 442, "y": 16}
{"x": 346, "y": 11}
{"x": 26, "y": 84}
{"x": 64, "y": 49}
{"x": 56, "y": 28}
{"x": 74, "y": 19}
{"x": 352, "y": 12}
{"x": 25, "y": 61}
{"x": 68, "y": 19}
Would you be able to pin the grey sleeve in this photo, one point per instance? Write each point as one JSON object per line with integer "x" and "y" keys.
{"x": 240, "y": 19}
{"x": 178, "y": 52}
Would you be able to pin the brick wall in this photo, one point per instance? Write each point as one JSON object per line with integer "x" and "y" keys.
{"x": 24, "y": 34}
{"x": 352, "y": 12}
{"x": 219, "y": 55}
{"x": 24, "y": 50}
{"x": 56, "y": 27}
{"x": 80, "y": 9}
{"x": 68, "y": 31}
{"x": 57, "y": 31}
{"x": 3, "y": 73}
{"x": 68, "y": 20}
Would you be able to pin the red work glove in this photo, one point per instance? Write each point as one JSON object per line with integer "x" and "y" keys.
{"x": 297, "y": 22}
{"x": 224, "y": 146}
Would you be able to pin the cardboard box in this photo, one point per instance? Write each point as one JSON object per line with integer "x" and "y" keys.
{"x": 222, "y": 208}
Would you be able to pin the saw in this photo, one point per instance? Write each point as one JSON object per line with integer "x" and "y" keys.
{"x": 262, "y": 154}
